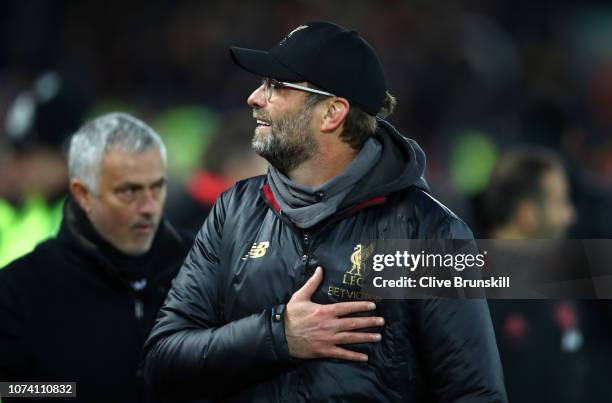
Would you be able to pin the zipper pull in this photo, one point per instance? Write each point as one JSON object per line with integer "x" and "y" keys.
{"x": 138, "y": 309}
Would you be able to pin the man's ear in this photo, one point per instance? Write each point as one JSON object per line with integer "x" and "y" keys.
{"x": 335, "y": 115}
{"x": 81, "y": 194}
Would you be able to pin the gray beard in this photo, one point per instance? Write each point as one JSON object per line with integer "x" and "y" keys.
{"x": 289, "y": 143}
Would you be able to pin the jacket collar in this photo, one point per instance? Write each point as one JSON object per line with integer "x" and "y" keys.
{"x": 88, "y": 248}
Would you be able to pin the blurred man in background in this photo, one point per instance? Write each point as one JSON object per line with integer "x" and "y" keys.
{"x": 528, "y": 198}
{"x": 228, "y": 158}
{"x": 34, "y": 180}
{"x": 79, "y": 307}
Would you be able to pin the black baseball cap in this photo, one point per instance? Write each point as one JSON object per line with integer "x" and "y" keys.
{"x": 327, "y": 55}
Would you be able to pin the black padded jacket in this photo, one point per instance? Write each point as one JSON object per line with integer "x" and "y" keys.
{"x": 77, "y": 310}
{"x": 220, "y": 333}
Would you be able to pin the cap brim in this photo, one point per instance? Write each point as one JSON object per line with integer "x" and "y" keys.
{"x": 263, "y": 64}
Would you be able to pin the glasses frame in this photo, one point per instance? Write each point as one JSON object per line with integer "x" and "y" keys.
{"x": 270, "y": 83}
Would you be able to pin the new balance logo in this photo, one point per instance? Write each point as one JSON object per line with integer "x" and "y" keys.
{"x": 258, "y": 249}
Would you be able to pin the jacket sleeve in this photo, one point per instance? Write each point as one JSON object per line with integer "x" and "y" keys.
{"x": 459, "y": 348}
{"x": 191, "y": 351}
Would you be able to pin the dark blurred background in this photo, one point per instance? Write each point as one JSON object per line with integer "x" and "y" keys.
{"x": 473, "y": 78}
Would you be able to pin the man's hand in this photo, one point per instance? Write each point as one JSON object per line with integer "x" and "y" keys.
{"x": 315, "y": 331}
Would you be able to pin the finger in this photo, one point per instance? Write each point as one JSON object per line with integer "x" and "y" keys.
{"x": 346, "y": 308}
{"x": 356, "y": 337}
{"x": 344, "y": 354}
{"x": 305, "y": 293}
{"x": 344, "y": 324}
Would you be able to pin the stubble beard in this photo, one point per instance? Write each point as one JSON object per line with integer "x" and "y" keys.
{"x": 289, "y": 143}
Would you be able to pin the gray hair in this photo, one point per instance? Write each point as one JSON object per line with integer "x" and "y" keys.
{"x": 93, "y": 140}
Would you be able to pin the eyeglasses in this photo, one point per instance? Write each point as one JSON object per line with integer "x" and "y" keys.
{"x": 270, "y": 83}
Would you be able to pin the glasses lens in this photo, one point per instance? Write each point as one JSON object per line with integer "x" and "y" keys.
{"x": 268, "y": 87}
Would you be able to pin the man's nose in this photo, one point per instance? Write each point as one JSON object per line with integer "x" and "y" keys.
{"x": 150, "y": 203}
{"x": 257, "y": 98}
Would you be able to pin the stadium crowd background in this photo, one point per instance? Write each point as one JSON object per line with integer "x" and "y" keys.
{"x": 473, "y": 79}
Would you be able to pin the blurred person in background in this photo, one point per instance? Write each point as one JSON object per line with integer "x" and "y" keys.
{"x": 587, "y": 156}
{"x": 252, "y": 316}
{"x": 528, "y": 198}
{"x": 228, "y": 158}
{"x": 37, "y": 125}
{"x": 78, "y": 308}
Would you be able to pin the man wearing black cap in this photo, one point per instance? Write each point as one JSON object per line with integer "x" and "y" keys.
{"x": 253, "y": 317}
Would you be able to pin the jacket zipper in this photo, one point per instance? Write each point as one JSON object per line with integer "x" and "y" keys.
{"x": 138, "y": 308}
{"x": 306, "y": 246}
